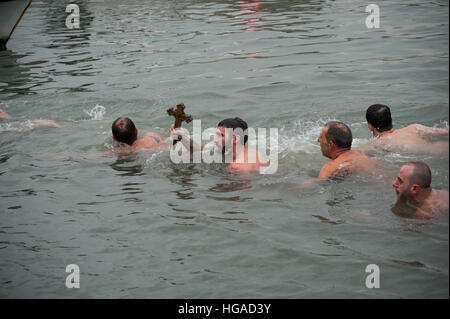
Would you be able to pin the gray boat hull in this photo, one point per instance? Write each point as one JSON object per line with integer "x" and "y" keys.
{"x": 10, "y": 14}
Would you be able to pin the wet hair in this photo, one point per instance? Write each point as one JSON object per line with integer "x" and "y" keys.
{"x": 340, "y": 134}
{"x": 379, "y": 116}
{"x": 235, "y": 123}
{"x": 421, "y": 174}
{"x": 124, "y": 130}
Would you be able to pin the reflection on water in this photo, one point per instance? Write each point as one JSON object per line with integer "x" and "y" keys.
{"x": 14, "y": 76}
{"x": 64, "y": 38}
{"x": 127, "y": 165}
{"x": 75, "y": 52}
{"x": 68, "y": 55}
{"x": 328, "y": 221}
{"x": 232, "y": 186}
{"x": 252, "y": 11}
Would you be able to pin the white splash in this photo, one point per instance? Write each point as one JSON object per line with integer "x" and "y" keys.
{"x": 17, "y": 126}
{"x": 97, "y": 112}
{"x": 302, "y": 137}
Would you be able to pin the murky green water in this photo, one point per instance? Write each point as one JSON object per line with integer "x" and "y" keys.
{"x": 143, "y": 227}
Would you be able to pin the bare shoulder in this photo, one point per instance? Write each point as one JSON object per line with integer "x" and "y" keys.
{"x": 359, "y": 153}
{"x": 152, "y": 134}
{"x": 412, "y": 128}
{"x": 442, "y": 196}
{"x": 328, "y": 169}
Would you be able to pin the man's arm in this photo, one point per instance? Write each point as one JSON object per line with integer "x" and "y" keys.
{"x": 430, "y": 131}
{"x": 35, "y": 123}
{"x": 44, "y": 123}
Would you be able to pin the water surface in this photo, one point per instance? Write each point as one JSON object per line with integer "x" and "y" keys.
{"x": 142, "y": 227}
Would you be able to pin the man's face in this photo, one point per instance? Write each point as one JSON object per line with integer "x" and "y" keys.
{"x": 401, "y": 183}
{"x": 324, "y": 145}
{"x": 222, "y": 139}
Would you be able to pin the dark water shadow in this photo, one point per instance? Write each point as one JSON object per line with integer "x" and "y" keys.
{"x": 128, "y": 166}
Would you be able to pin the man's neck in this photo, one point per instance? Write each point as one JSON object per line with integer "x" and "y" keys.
{"x": 418, "y": 201}
{"x": 424, "y": 195}
{"x": 241, "y": 152}
{"x": 339, "y": 152}
{"x": 376, "y": 133}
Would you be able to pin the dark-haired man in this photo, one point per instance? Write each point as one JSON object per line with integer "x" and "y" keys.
{"x": 415, "y": 197}
{"x": 412, "y": 137}
{"x": 244, "y": 159}
{"x": 124, "y": 131}
{"x": 336, "y": 142}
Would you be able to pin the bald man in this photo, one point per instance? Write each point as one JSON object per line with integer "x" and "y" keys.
{"x": 336, "y": 143}
{"x": 415, "y": 197}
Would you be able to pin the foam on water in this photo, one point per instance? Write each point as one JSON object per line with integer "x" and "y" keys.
{"x": 16, "y": 126}
{"x": 301, "y": 138}
{"x": 97, "y": 112}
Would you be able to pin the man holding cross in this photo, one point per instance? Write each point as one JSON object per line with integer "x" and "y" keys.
{"x": 231, "y": 137}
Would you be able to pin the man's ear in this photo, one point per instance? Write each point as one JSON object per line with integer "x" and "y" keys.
{"x": 371, "y": 128}
{"x": 114, "y": 138}
{"x": 415, "y": 189}
{"x": 331, "y": 145}
{"x": 136, "y": 131}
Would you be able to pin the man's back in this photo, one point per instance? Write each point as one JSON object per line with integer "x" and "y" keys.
{"x": 351, "y": 161}
{"x": 414, "y": 138}
{"x": 150, "y": 140}
{"x": 437, "y": 203}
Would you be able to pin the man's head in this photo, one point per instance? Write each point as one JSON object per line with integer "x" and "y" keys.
{"x": 379, "y": 118}
{"x": 124, "y": 130}
{"x": 239, "y": 127}
{"x": 335, "y": 136}
{"x": 412, "y": 179}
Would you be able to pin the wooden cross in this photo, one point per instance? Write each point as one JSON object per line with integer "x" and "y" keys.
{"x": 179, "y": 115}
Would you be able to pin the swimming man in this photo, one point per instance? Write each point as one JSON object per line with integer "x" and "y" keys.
{"x": 336, "y": 143}
{"x": 124, "y": 131}
{"x": 236, "y": 143}
{"x": 415, "y": 197}
{"x": 412, "y": 137}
